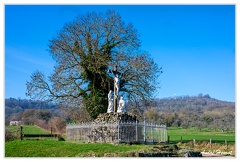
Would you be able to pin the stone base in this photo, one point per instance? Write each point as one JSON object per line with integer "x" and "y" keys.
{"x": 115, "y": 117}
{"x": 109, "y": 130}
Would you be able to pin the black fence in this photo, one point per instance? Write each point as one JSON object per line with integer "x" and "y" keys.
{"x": 37, "y": 136}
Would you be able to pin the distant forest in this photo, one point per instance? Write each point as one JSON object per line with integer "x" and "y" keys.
{"x": 199, "y": 111}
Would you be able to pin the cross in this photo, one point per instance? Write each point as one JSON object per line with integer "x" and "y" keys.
{"x": 117, "y": 75}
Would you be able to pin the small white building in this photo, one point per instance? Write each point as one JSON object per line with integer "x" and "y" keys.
{"x": 15, "y": 123}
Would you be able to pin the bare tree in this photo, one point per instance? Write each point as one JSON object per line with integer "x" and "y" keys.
{"x": 84, "y": 51}
{"x": 58, "y": 124}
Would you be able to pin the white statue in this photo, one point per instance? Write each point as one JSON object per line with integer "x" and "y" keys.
{"x": 110, "y": 102}
{"x": 121, "y": 105}
{"x": 117, "y": 80}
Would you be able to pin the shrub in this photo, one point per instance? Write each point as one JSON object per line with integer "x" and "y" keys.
{"x": 10, "y": 135}
{"x": 58, "y": 124}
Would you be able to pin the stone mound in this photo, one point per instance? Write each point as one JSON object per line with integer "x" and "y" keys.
{"x": 115, "y": 117}
{"x": 113, "y": 133}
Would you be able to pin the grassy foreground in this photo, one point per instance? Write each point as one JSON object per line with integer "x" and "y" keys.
{"x": 53, "y": 148}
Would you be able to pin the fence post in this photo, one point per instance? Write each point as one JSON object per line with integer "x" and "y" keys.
{"x": 181, "y": 140}
{"x": 136, "y": 131}
{"x": 21, "y": 132}
{"x": 118, "y": 132}
{"x": 152, "y": 133}
{"x": 168, "y": 140}
{"x": 210, "y": 143}
{"x": 144, "y": 131}
{"x": 161, "y": 138}
{"x": 226, "y": 144}
{"x": 193, "y": 142}
{"x": 165, "y": 134}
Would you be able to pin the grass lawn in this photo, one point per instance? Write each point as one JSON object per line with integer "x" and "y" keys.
{"x": 200, "y": 135}
{"x": 53, "y": 148}
{"x": 28, "y": 129}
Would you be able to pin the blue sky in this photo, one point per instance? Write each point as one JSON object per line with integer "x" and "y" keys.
{"x": 195, "y": 45}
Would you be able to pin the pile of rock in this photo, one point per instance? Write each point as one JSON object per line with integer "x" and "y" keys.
{"x": 115, "y": 118}
{"x": 106, "y": 134}
{"x": 189, "y": 153}
{"x": 107, "y": 128}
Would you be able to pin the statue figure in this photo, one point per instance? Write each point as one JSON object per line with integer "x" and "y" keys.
{"x": 117, "y": 76}
{"x": 110, "y": 102}
{"x": 117, "y": 80}
{"x": 121, "y": 105}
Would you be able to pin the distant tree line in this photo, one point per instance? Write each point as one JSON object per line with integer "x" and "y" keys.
{"x": 13, "y": 105}
{"x": 200, "y": 111}
{"x": 47, "y": 115}
{"x": 44, "y": 114}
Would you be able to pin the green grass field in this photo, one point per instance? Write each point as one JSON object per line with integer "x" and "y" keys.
{"x": 200, "y": 135}
{"x": 28, "y": 129}
{"x": 54, "y": 148}
{"x": 51, "y": 148}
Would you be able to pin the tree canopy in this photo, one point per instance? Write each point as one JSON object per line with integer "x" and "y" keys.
{"x": 84, "y": 50}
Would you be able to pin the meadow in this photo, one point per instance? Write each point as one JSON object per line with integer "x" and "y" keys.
{"x": 54, "y": 148}
{"x": 187, "y": 135}
{"x": 28, "y": 129}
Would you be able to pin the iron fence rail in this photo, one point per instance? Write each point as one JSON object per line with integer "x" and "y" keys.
{"x": 127, "y": 132}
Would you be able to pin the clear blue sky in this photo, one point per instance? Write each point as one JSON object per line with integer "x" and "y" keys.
{"x": 195, "y": 45}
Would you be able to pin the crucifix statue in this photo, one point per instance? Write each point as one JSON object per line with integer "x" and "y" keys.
{"x": 117, "y": 76}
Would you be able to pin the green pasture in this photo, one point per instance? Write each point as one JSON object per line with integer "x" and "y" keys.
{"x": 175, "y": 134}
{"x": 187, "y": 135}
{"x": 28, "y": 129}
{"x": 53, "y": 148}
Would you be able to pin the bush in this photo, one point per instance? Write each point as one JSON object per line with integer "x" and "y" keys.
{"x": 58, "y": 124}
{"x": 11, "y": 135}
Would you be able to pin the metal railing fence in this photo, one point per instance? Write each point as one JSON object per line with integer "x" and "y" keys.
{"x": 127, "y": 132}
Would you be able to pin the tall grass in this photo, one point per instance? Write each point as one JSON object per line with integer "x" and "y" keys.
{"x": 215, "y": 148}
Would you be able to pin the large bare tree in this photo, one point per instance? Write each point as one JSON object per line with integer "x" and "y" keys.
{"x": 84, "y": 51}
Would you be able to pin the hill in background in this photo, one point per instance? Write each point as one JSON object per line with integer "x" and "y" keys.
{"x": 197, "y": 104}
{"x": 200, "y": 111}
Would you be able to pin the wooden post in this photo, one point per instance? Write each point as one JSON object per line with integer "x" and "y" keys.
{"x": 144, "y": 131}
{"x": 226, "y": 144}
{"x": 136, "y": 131}
{"x": 115, "y": 98}
{"x": 181, "y": 140}
{"x": 21, "y": 133}
{"x": 168, "y": 140}
{"x": 193, "y": 142}
{"x": 210, "y": 143}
